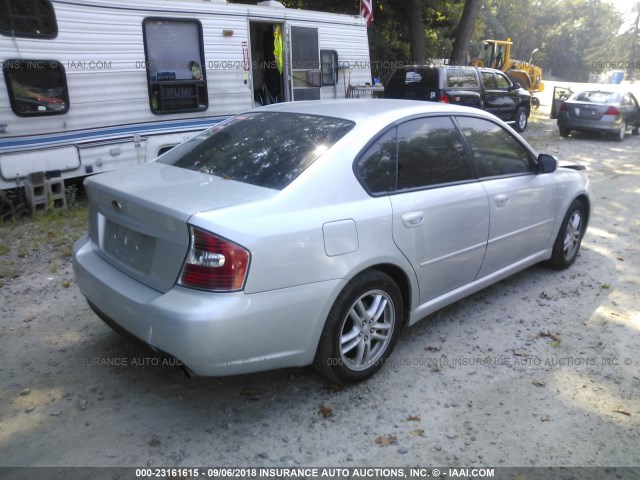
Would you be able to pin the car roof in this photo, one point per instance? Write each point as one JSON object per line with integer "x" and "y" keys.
{"x": 370, "y": 110}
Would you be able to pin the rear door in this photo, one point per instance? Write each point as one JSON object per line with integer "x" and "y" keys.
{"x": 440, "y": 212}
{"x": 463, "y": 86}
{"x": 522, "y": 203}
{"x": 491, "y": 94}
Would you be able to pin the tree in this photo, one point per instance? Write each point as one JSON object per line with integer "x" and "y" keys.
{"x": 416, "y": 31}
{"x": 465, "y": 29}
{"x": 634, "y": 47}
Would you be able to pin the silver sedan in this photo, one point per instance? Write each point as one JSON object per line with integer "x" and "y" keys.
{"x": 600, "y": 112}
{"x": 313, "y": 232}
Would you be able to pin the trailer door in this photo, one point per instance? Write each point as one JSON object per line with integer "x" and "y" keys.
{"x": 306, "y": 78}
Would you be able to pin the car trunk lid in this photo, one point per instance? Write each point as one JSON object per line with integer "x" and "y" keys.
{"x": 138, "y": 217}
{"x": 586, "y": 111}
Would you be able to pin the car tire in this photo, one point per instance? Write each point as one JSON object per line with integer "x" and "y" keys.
{"x": 564, "y": 132}
{"x": 622, "y": 132}
{"x": 522, "y": 119}
{"x": 347, "y": 353}
{"x": 567, "y": 244}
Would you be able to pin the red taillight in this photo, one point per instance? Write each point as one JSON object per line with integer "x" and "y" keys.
{"x": 612, "y": 111}
{"x": 564, "y": 108}
{"x": 213, "y": 263}
{"x": 443, "y": 99}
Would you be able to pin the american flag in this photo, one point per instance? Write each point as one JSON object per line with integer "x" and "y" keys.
{"x": 366, "y": 10}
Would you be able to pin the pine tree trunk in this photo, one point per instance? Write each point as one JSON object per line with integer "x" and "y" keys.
{"x": 417, "y": 36}
{"x": 465, "y": 29}
{"x": 633, "y": 50}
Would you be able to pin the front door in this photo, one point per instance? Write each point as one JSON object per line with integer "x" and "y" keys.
{"x": 522, "y": 203}
{"x": 508, "y": 97}
{"x": 440, "y": 212}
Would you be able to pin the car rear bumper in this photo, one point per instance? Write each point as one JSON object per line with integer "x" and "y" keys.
{"x": 210, "y": 333}
{"x": 611, "y": 126}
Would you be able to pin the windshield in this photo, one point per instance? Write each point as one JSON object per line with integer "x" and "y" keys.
{"x": 267, "y": 149}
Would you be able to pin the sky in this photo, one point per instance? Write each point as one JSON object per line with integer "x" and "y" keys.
{"x": 626, "y": 8}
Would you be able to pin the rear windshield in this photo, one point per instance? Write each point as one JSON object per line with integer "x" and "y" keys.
{"x": 267, "y": 149}
{"x": 415, "y": 77}
{"x": 598, "y": 97}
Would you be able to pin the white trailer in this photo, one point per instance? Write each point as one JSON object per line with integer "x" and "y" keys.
{"x": 95, "y": 85}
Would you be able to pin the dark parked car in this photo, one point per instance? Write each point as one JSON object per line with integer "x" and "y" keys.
{"x": 600, "y": 111}
{"x": 484, "y": 88}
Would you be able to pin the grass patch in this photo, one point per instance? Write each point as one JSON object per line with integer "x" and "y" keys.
{"x": 46, "y": 237}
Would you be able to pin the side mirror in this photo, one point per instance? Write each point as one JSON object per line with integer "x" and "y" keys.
{"x": 547, "y": 163}
{"x": 516, "y": 86}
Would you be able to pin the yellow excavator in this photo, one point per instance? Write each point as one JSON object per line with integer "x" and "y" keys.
{"x": 497, "y": 54}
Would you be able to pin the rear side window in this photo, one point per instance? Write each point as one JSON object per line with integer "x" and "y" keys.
{"x": 430, "y": 152}
{"x": 28, "y": 18}
{"x": 377, "y": 166}
{"x": 175, "y": 65}
{"x": 462, "y": 77}
{"x": 36, "y": 87}
{"x": 266, "y": 149}
{"x": 488, "y": 80}
{"x": 495, "y": 151}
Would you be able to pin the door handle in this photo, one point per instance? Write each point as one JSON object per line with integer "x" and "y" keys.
{"x": 412, "y": 219}
{"x": 502, "y": 200}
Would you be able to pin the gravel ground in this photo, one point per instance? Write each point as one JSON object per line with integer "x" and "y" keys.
{"x": 541, "y": 369}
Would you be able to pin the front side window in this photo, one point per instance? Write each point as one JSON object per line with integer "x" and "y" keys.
{"x": 36, "y": 87}
{"x": 430, "y": 152}
{"x": 265, "y": 149}
{"x": 175, "y": 65}
{"x": 502, "y": 82}
{"x": 28, "y": 18}
{"x": 495, "y": 151}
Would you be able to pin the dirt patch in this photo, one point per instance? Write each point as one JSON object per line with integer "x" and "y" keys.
{"x": 541, "y": 369}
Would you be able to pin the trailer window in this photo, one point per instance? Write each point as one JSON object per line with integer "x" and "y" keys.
{"x": 329, "y": 66}
{"x": 28, "y": 18}
{"x": 174, "y": 55}
{"x": 36, "y": 87}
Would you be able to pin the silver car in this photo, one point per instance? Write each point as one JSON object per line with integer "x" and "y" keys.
{"x": 601, "y": 112}
{"x": 313, "y": 232}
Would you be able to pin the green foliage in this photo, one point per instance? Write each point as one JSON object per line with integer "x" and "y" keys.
{"x": 575, "y": 37}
